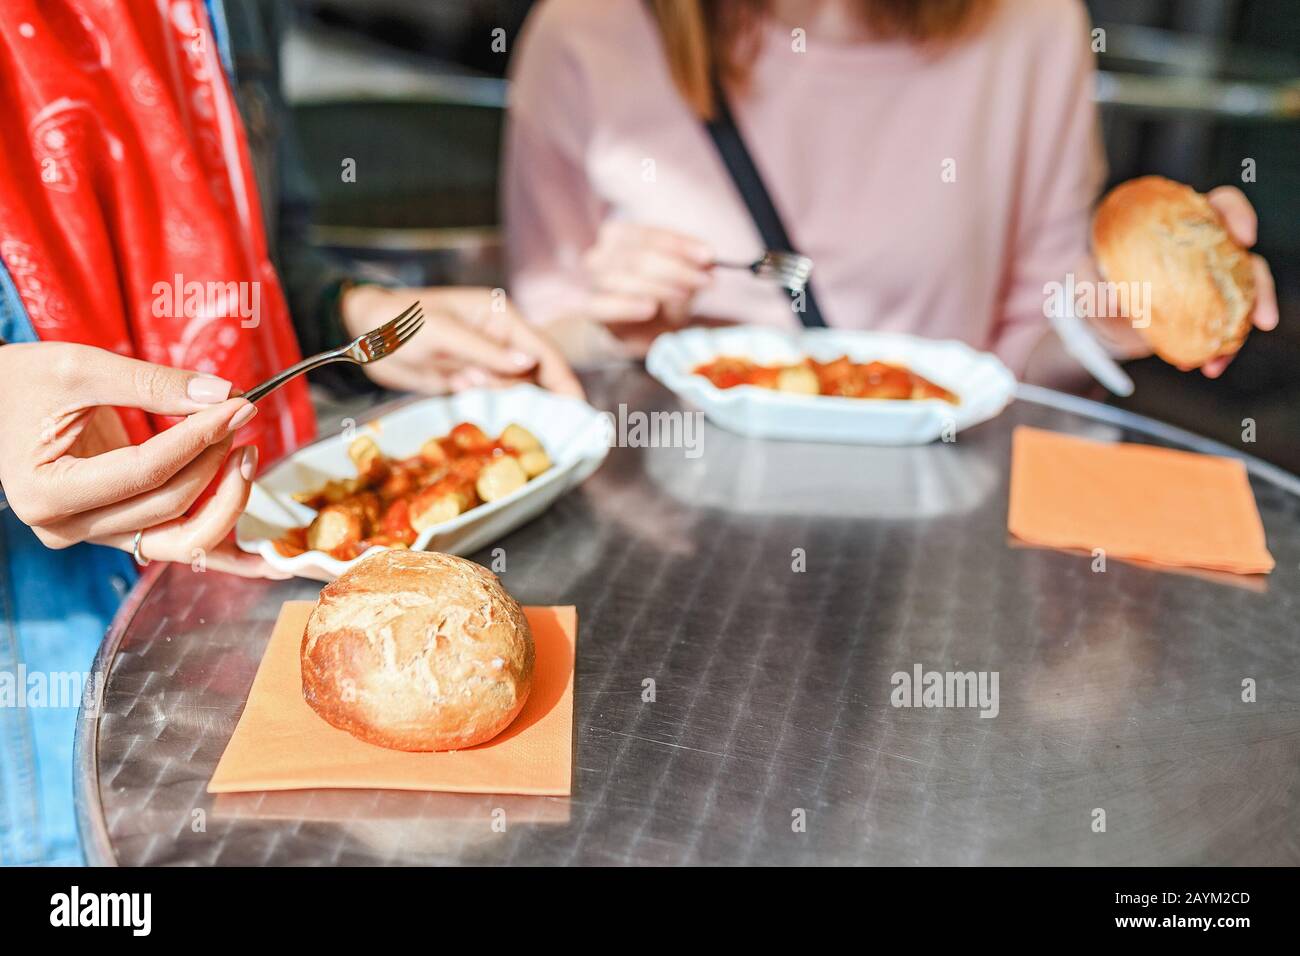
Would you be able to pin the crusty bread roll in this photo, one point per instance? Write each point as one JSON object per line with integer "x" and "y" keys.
{"x": 1202, "y": 288}
{"x": 416, "y": 650}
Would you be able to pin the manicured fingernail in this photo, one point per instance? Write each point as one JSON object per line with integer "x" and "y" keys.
{"x": 522, "y": 360}
{"x": 208, "y": 389}
{"x": 241, "y": 417}
{"x": 248, "y": 467}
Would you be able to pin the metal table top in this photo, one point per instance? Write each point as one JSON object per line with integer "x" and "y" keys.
{"x": 771, "y": 737}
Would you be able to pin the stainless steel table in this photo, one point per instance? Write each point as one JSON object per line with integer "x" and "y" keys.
{"x": 771, "y": 737}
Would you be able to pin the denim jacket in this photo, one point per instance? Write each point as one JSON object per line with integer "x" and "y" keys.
{"x": 54, "y": 609}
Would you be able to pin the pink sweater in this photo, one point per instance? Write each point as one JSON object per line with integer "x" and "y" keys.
{"x": 853, "y": 142}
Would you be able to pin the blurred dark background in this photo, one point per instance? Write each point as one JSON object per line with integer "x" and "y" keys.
{"x": 1190, "y": 89}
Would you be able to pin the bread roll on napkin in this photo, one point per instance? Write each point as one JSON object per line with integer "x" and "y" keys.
{"x": 416, "y": 650}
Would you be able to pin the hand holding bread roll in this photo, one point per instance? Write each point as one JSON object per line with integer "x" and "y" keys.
{"x": 419, "y": 651}
{"x": 1202, "y": 284}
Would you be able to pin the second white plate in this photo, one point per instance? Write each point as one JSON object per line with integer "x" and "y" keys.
{"x": 982, "y": 383}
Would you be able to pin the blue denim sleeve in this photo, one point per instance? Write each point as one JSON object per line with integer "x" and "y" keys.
{"x": 54, "y": 609}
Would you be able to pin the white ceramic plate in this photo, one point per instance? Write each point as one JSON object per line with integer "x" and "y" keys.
{"x": 575, "y": 435}
{"x": 982, "y": 383}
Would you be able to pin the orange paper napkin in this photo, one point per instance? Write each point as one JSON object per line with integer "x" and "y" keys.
{"x": 281, "y": 744}
{"x": 1135, "y": 501}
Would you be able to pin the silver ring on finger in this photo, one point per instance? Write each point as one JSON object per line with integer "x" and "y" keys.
{"x": 140, "y": 559}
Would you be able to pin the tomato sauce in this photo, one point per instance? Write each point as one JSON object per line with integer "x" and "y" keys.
{"x": 840, "y": 377}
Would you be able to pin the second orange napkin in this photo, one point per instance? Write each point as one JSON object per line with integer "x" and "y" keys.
{"x": 1135, "y": 501}
{"x": 281, "y": 744}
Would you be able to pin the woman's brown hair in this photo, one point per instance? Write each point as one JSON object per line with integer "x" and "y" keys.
{"x": 708, "y": 38}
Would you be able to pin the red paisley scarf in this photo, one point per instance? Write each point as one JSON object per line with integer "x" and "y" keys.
{"x": 127, "y": 179}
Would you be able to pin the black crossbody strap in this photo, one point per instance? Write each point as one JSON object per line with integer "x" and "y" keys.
{"x": 735, "y": 155}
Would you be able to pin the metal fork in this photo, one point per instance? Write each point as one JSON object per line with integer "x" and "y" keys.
{"x": 788, "y": 269}
{"x": 371, "y": 347}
